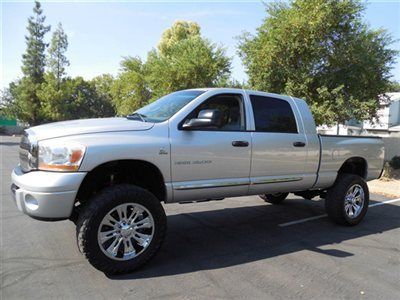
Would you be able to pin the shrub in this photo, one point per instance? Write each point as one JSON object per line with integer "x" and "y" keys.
{"x": 395, "y": 162}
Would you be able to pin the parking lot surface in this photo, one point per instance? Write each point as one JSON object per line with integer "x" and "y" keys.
{"x": 236, "y": 248}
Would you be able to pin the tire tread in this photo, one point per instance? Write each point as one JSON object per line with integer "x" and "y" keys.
{"x": 85, "y": 225}
{"x": 335, "y": 197}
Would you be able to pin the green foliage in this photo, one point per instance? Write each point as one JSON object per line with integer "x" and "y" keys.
{"x": 180, "y": 30}
{"x": 87, "y": 102}
{"x": 33, "y": 61}
{"x": 394, "y": 86}
{"x": 103, "y": 85}
{"x": 8, "y": 106}
{"x": 194, "y": 62}
{"x": 185, "y": 60}
{"x": 231, "y": 83}
{"x": 182, "y": 60}
{"x": 56, "y": 98}
{"x": 74, "y": 99}
{"x": 57, "y": 60}
{"x": 40, "y": 97}
{"x": 129, "y": 91}
{"x": 320, "y": 50}
{"x": 27, "y": 101}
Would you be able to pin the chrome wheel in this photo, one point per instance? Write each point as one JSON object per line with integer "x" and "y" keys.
{"x": 125, "y": 231}
{"x": 354, "y": 201}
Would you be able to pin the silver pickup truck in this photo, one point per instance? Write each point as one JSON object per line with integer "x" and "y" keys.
{"x": 110, "y": 175}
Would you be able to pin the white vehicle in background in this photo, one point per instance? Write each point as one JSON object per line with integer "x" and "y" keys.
{"x": 110, "y": 176}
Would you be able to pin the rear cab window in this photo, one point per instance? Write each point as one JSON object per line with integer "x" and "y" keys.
{"x": 273, "y": 115}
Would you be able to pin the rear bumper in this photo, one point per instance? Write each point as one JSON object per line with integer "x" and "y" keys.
{"x": 45, "y": 195}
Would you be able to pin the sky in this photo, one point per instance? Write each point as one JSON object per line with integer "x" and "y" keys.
{"x": 101, "y": 33}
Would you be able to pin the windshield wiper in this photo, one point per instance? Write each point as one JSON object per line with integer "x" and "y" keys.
{"x": 135, "y": 115}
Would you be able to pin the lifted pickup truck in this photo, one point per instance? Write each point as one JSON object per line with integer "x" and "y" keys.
{"x": 110, "y": 175}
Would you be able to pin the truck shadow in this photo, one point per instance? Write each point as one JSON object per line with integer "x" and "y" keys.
{"x": 222, "y": 238}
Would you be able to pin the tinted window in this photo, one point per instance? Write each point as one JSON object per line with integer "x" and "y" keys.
{"x": 231, "y": 107}
{"x": 273, "y": 115}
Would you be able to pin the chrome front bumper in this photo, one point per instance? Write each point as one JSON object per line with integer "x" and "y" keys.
{"x": 45, "y": 195}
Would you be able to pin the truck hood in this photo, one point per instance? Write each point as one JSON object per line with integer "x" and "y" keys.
{"x": 75, "y": 127}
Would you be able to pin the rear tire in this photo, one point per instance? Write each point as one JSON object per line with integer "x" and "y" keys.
{"x": 276, "y": 198}
{"x": 347, "y": 200}
{"x": 121, "y": 228}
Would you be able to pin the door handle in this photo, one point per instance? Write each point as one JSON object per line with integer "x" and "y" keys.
{"x": 299, "y": 144}
{"x": 240, "y": 144}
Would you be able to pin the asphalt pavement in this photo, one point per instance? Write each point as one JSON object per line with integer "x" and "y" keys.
{"x": 236, "y": 248}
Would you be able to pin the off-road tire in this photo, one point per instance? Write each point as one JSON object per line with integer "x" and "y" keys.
{"x": 274, "y": 198}
{"x": 335, "y": 199}
{"x": 93, "y": 213}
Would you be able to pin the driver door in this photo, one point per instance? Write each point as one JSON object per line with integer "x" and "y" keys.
{"x": 212, "y": 162}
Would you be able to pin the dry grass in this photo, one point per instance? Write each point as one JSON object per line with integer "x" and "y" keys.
{"x": 389, "y": 173}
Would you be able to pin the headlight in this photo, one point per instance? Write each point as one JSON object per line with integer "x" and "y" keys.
{"x": 58, "y": 156}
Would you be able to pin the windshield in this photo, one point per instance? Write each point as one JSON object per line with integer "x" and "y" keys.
{"x": 165, "y": 107}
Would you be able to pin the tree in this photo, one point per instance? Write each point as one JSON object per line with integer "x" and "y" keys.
{"x": 394, "y": 86}
{"x": 130, "y": 91}
{"x": 28, "y": 102}
{"x": 232, "y": 83}
{"x": 74, "y": 98}
{"x": 322, "y": 51}
{"x": 57, "y": 60}
{"x": 57, "y": 103}
{"x": 8, "y": 106}
{"x": 87, "y": 102}
{"x": 180, "y": 30}
{"x": 184, "y": 59}
{"x": 102, "y": 84}
{"x": 33, "y": 63}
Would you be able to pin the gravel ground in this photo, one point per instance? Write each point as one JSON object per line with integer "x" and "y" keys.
{"x": 233, "y": 249}
{"x": 390, "y": 188}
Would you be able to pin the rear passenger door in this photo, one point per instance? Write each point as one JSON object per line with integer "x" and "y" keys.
{"x": 279, "y": 149}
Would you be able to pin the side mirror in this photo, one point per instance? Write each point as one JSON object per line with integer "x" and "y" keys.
{"x": 206, "y": 118}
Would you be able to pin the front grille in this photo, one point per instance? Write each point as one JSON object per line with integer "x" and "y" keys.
{"x": 27, "y": 149}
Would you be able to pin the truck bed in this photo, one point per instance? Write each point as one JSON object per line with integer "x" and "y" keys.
{"x": 336, "y": 149}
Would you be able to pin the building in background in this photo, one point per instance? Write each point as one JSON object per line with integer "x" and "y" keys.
{"x": 387, "y": 123}
{"x": 387, "y": 126}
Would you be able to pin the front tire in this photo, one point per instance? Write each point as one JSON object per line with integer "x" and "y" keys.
{"x": 121, "y": 229}
{"x": 276, "y": 198}
{"x": 347, "y": 201}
